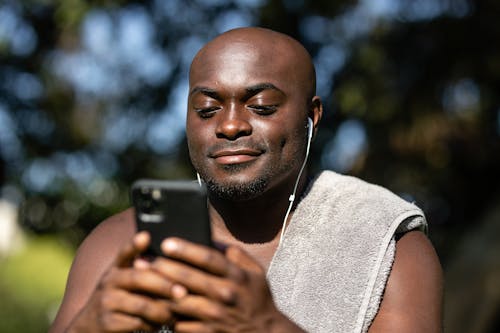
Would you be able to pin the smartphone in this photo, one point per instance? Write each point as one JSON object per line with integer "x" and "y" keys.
{"x": 171, "y": 208}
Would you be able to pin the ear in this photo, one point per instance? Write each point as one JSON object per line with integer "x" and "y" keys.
{"x": 315, "y": 113}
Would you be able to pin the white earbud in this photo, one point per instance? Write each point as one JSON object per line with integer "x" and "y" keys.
{"x": 310, "y": 129}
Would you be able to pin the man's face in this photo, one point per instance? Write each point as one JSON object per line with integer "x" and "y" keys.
{"x": 246, "y": 121}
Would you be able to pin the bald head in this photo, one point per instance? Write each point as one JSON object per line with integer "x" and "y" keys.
{"x": 259, "y": 49}
{"x": 251, "y": 99}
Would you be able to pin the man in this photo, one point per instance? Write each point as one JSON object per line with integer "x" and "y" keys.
{"x": 338, "y": 266}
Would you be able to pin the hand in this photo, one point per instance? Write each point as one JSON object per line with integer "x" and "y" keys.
{"x": 228, "y": 291}
{"x": 130, "y": 296}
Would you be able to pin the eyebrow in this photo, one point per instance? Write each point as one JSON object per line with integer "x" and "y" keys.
{"x": 255, "y": 89}
{"x": 205, "y": 91}
{"x": 249, "y": 91}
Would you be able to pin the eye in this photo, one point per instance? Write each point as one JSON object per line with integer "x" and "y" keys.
{"x": 207, "y": 112}
{"x": 264, "y": 109}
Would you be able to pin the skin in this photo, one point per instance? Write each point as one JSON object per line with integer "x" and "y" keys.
{"x": 251, "y": 91}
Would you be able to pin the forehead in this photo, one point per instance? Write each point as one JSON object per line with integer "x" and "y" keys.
{"x": 239, "y": 64}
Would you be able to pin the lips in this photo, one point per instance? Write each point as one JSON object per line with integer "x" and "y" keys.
{"x": 235, "y": 156}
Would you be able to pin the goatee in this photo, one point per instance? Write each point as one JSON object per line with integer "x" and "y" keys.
{"x": 237, "y": 191}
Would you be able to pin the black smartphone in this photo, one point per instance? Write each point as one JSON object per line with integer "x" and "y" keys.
{"x": 171, "y": 208}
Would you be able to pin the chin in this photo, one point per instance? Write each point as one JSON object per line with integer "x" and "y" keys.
{"x": 237, "y": 190}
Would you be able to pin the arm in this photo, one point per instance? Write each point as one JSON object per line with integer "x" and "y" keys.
{"x": 102, "y": 292}
{"x": 412, "y": 300}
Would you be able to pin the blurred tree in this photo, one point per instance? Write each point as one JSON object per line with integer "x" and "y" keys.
{"x": 93, "y": 97}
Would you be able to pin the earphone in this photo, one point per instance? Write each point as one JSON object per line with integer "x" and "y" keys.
{"x": 291, "y": 199}
{"x": 198, "y": 178}
{"x": 310, "y": 131}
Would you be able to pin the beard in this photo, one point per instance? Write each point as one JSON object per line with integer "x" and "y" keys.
{"x": 237, "y": 191}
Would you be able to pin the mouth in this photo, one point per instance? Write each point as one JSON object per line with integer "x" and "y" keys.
{"x": 235, "y": 156}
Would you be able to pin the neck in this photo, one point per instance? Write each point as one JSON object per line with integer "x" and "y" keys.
{"x": 255, "y": 221}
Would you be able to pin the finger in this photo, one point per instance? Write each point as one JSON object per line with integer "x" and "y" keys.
{"x": 199, "y": 307}
{"x": 192, "y": 327}
{"x": 140, "y": 263}
{"x": 120, "y": 322}
{"x": 140, "y": 280}
{"x": 206, "y": 258}
{"x": 152, "y": 310}
{"x": 197, "y": 281}
{"x": 210, "y": 260}
{"x": 139, "y": 244}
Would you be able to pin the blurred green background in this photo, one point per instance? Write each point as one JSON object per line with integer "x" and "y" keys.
{"x": 93, "y": 95}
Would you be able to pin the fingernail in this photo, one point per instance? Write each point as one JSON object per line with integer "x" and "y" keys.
{"x": 178, "y": 291}
{"x": 169, "y": 246}
{"x": 140, "y": 263}
{"x": 142, "y": 236}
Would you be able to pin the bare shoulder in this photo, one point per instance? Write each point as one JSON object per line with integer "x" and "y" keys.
{"x": 109, "y": 235}
{"x": 101, "y": 246}
{"x": 412, "y": 300}
{"x": 94, "y": 256}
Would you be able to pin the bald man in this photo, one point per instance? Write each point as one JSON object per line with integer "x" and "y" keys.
{"x": 353, "y": 257}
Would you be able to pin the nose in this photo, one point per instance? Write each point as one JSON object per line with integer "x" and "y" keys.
{"x": 232, "y": 126}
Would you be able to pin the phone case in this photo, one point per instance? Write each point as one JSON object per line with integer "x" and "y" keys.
{"x": 171, "y": 208}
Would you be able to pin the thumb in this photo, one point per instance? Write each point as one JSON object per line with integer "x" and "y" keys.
{"x": 139, "y": 244}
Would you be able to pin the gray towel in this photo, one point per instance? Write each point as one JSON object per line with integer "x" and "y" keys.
{"x": 330, "y": 271}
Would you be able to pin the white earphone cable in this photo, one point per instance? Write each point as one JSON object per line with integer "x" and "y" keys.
{"x": 292, "y": 196}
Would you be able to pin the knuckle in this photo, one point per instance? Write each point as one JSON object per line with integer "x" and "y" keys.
{"x": 229, "y": 294}
{"x": 216, "y": 313}
{"x": 242, "y": 276}
{"x": 141, "y": 306}
{"x": 158, "y": 265}
{"x": 184, "y": 275}
{"x": 106, "y": 301}
{"x": 208, "y": 256}
{"x": 162, "y": 316}
{"x": 208, "y": 285}
{"x": 162, "y": 312}
{"x": 239, "y": 275}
